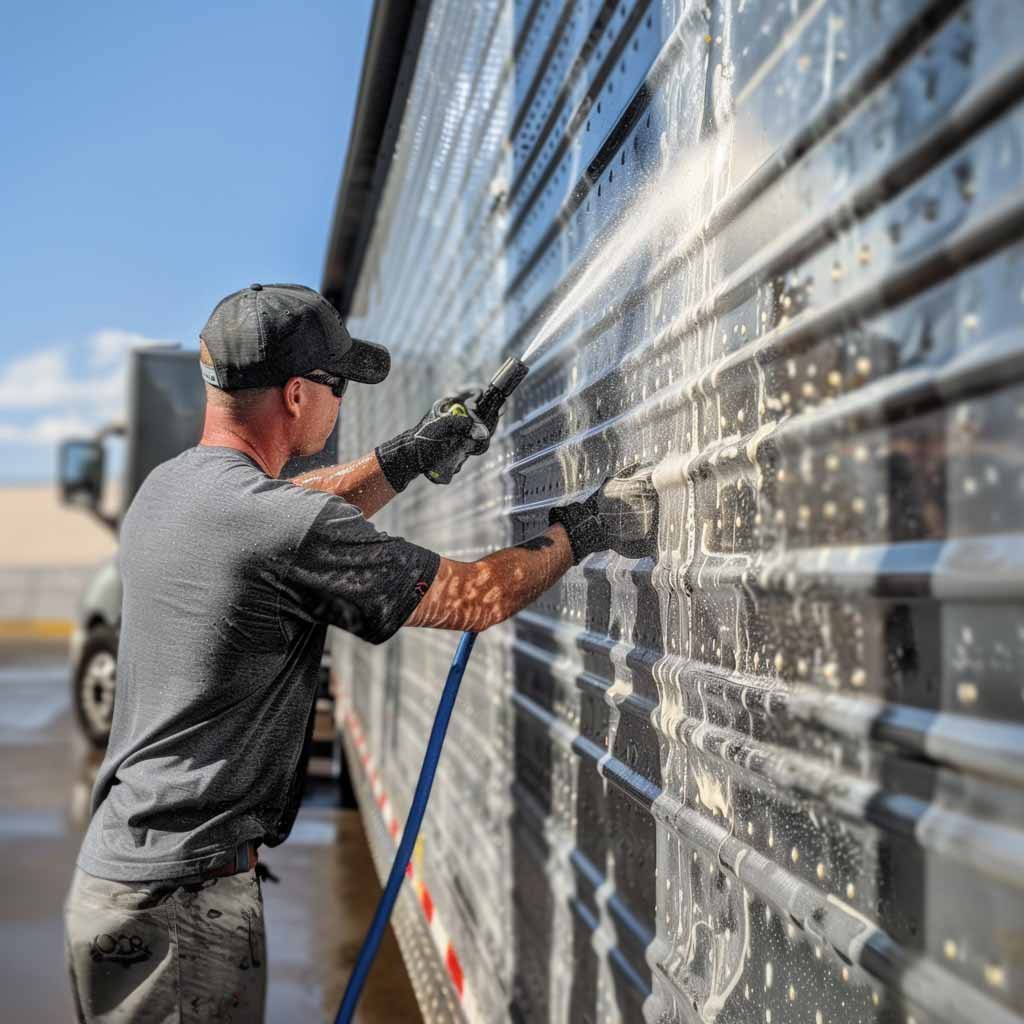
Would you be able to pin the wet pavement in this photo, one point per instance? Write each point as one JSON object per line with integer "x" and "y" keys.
{"x": 316, "y": 915}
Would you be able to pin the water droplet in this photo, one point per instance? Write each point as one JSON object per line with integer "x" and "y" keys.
{"x": 967, "y": 693}
{"x": 995, "y": 975}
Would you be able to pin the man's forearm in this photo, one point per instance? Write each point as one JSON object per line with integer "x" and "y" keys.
{"x": 476, "y": 595}
{"x": 361, "y": 483}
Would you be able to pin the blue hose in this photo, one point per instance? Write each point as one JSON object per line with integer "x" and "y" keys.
{"x": 371, "y": 943}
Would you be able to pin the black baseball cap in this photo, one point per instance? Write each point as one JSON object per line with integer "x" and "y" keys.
{"x": 265, "y": 334}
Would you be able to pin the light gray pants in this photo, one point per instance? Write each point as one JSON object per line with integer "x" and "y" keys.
{"x": 166, "y": 952}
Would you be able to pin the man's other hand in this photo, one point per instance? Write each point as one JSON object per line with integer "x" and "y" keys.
{"x": 621, "y": 515}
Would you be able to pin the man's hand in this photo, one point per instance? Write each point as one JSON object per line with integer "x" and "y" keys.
{"x": 438, "y": 445}
{"x": 621, "y": 515}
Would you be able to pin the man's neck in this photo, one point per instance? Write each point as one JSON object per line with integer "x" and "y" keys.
{"x": 222, "y": 432}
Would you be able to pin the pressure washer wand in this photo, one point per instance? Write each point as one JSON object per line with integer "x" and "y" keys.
{"x": 487, "y": 408}
{"x": 502, "y": 384}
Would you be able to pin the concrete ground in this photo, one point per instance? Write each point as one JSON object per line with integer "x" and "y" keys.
{"x": 316, "y": 916}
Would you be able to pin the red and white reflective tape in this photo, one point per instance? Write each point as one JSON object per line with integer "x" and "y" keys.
{"x": 415, "y": 874}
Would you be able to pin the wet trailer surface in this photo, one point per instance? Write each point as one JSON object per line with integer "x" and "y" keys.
{"x": 774, "y": 248}
{"x": 315, "y": 916}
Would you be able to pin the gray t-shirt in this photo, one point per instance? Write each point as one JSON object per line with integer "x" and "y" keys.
{"x": 230, "y": 578}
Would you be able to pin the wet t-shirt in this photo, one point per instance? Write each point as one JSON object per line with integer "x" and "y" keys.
{"x": 230, "y": 580}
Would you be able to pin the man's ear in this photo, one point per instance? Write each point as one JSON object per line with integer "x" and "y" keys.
{"x": 292, "y": 396}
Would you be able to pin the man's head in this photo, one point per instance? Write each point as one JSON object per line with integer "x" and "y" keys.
{"x": 277, "y": 358}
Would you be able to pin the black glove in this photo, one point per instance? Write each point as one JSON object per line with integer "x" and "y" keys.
{"x": 438, "y": 445}
{"x": 621, "y": 515}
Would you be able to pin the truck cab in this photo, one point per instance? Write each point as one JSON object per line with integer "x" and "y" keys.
{"x": 166, "y": 403}
{"x": 165, "y": 410}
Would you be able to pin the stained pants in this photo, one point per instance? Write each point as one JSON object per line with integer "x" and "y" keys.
{"x": 166, "y": 952}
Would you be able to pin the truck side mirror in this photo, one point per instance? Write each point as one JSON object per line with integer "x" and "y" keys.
{"x": 80, "y": 473}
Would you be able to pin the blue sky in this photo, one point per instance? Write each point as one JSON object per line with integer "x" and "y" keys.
{"x": 156, "y": 157}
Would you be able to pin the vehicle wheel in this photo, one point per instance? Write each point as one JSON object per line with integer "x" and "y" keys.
{"x": 93, "y": 684}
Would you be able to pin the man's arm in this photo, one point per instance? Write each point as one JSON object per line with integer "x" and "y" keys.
{"x": 361, "y": 483}
{"x": 372, "y": 481}
{"x": 621, "y": 515}
{"x": 477, "y": 595}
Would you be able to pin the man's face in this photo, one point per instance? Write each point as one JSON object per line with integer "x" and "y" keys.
{"x": 319, "y": 417}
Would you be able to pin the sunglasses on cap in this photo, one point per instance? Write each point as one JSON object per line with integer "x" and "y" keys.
{"x": 336, "y": 384}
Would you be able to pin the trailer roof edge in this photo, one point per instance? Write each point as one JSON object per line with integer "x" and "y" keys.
{"x": 389, "y": 65}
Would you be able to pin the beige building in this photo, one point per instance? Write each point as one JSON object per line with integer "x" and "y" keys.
{"x": 47, "y": 554}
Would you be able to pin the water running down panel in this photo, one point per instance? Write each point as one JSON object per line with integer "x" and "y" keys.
{"x": 774, "y": 249}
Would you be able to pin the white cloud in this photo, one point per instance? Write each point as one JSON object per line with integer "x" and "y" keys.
{"x": 48, "y": 430}
{"x": 35, "y": 381}
{"x": 46, "y": 379}
{"x": 111, "y": 345}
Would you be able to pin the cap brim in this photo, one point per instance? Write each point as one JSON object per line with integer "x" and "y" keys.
{"x": 364, "y": 362}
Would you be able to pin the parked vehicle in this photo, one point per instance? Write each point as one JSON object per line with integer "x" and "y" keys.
{"x": 164, "y": 416}
{"x": 166, "y": 404}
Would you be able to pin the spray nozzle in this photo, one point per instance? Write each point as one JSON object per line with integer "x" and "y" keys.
{"x": 509, "y": 376}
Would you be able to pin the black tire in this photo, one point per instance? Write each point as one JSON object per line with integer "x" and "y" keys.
{"x": 92, "y": 685}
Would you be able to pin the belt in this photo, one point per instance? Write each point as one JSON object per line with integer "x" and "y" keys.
{"x": 245, "y": 859}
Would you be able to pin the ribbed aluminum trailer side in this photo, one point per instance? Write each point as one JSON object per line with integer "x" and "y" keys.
{"x": 774, "y": 248}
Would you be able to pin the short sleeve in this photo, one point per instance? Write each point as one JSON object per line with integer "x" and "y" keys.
{"x": 349, "y": 574}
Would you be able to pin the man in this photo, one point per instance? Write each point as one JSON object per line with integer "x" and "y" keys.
{"x": 231, "y": 577}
